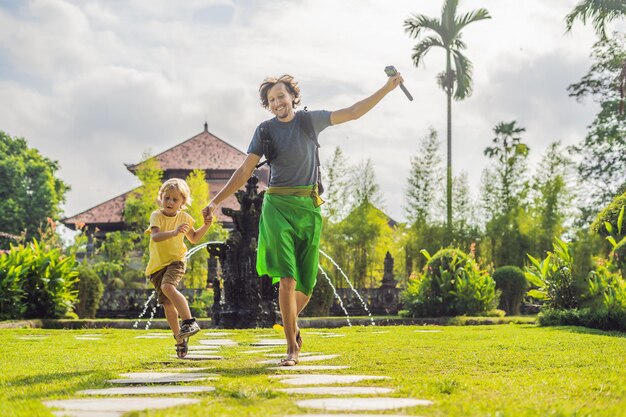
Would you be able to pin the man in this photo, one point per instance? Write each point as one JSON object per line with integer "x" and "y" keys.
{"x": 290, "y": 223}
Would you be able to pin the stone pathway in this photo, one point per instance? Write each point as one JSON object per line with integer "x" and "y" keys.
{"x": 127, "y": 396}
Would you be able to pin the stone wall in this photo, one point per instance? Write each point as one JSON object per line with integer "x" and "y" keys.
{"x": 380, "y": 301}
{"x": 129, "y": 303}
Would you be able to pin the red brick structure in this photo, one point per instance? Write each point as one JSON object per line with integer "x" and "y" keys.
{"x": 205, "y": 151}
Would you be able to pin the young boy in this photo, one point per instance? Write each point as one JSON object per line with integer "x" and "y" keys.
{"x": 166, "y": 267}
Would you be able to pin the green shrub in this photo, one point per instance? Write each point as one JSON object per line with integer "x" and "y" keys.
{"x": 11, "y": 272}
{"x": 321, "y": 300}
{"x": 201, "y": 305}
{"x": 512, "y": 282}
{"x": 451, "y": 284}
{"x": 553, "y": 278}
{"x": 90, "y": 290}
{"x": 42, "y": 280}
{"x": 587, "y": 317}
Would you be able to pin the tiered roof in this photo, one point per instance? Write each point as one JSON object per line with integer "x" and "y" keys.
{"x": 204, "y": 151}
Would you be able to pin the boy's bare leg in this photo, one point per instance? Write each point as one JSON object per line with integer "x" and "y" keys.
{"x": 178, "y": 300}
{"x": 171, "y": 315}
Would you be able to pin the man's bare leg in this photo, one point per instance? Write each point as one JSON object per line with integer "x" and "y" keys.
{"x": 289, "y": 311}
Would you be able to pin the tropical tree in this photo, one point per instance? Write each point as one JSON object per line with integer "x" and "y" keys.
{"x": 336, "y": 174}
{"x": 364, "y": 188}
{"x": 551, "y": 198}
{"x": 503, "y": 194}
{"x": 602, "y": 154}
{"x": 599, "y": 12}
{"x": 29, "y": 190}
{"x": 424, "y": 180}
{"x": 456, "y": 80}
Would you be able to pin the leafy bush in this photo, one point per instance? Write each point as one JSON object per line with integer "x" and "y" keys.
{"x": 553, "y": 278}
{"x": 512, "y": 282}
{"x": 451, "y": 284}
{"x": 587, "y": 317}
{"x": 41, "y": 280}
{"x": 321, "y": 300}
{"x": 90, "y": 290}
{"x": 201, "y": 305}
{"x": 11, "y": 272}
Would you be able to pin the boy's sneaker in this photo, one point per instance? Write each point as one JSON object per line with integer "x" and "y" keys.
{"x": 187, "y": 330}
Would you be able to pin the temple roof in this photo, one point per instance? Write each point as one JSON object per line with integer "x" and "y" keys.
{"x": 110, "y": 214}
{"x": 203, "y": 151}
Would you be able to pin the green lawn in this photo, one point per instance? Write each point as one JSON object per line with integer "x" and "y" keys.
{"x": 486, "y": 371}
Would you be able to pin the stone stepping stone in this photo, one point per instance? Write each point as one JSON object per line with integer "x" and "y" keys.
{"x": 428, "y": 331}
{"x": 217, "y": 342}
{"x": 202, "y": 347}
{"x": 216, "y": 334}
{"x": 344, "y": 415}
{"x": 110, "y": 407}
{"x": 309, "y": 368}
{"x": 198, "y": 357}
{"x": 269, "y": 342}
{"x": 255, "y": 351}
{"x": 337, "y": 390}
{"x": 280, "y": 355}
{"x": 305, "y": 359}
{"x": 161, "y": 377}
{"x": 157, "y": 389}
{"x": 33, "y": 337}
{"x": 326, "y": 336}
{"x": 366, "y": 404}
{"x": 324, "y": 379}
{"x": 154, "y": 336}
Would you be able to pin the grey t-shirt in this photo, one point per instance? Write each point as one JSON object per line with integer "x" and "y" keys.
{"x": 294, "y": 162}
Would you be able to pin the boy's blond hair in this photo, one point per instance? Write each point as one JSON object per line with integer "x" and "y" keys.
{"x": 181, "y": 186}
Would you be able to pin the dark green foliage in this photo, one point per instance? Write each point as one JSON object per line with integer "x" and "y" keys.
{"x": 201, "y": 305}
{"x": 553, "y": 278}
{"x": 587, "y": 317}
{"x": 322, "y": 299}
{"x": 12, "y": 271}
{"x": 610, "y": 215}
{"x": 29, "y": 191}
{"x": 41, "y": 279}
{"x": 512, "y": 282}
{"x": 90, "y": 290}
{"x": 451, "y": 284}
{"x": 602, "y": 154}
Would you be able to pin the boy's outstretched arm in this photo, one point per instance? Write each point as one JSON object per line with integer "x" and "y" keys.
{"x": 360, "y": 108}
{"x": 195, "y": 235}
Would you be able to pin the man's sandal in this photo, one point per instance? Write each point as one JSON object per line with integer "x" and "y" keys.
{"x": 182, "y": 348}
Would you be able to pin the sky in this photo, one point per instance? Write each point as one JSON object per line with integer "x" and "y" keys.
{"x": 96, "y": 84}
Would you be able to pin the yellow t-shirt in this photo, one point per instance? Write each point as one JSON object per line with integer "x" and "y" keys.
{"x": 170, "y": 250}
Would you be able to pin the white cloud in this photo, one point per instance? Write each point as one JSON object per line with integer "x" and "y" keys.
{"x": 94, "y": 84}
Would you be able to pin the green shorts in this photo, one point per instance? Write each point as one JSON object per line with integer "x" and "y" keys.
{"x": 289, "y": 240}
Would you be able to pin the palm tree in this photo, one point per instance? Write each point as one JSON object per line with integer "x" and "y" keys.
{"x": 446, "y": 33}
{"x": 601, "y": 12}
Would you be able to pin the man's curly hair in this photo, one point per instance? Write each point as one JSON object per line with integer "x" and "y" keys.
{"x": 288, "y": 81}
